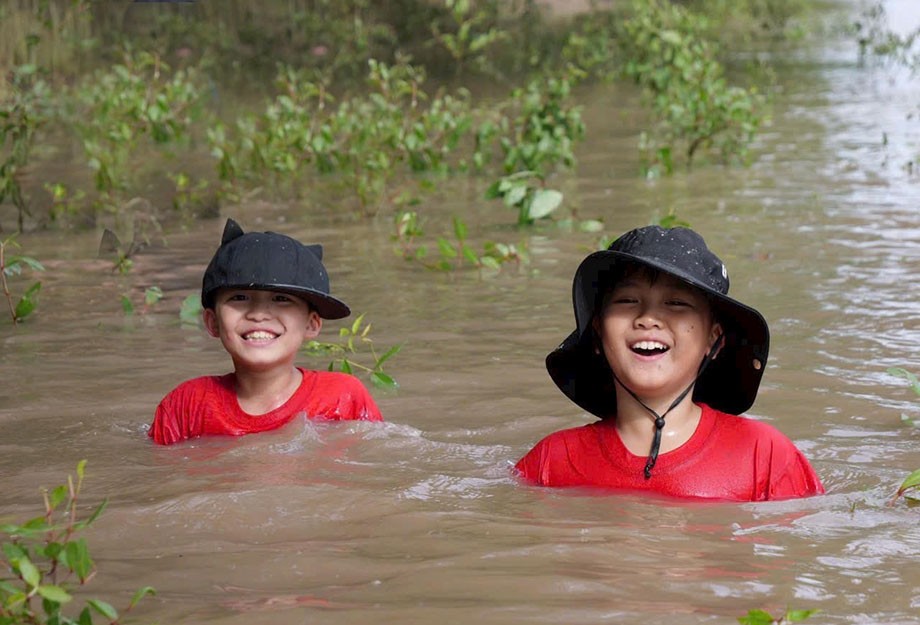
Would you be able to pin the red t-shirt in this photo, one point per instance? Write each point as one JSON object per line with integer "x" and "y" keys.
{"x": 728, "y": 457}
{"x": 208, "y": 405}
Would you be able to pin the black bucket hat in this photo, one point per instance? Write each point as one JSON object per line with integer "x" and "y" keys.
{"x": 728, "y": 383}
{"x": 272, "y": 262}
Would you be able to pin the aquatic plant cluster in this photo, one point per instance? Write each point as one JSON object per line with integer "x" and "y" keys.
{"x": 46, "y": 558}
{"x": 353, "y": 108}
{"x": 350, "y": 108}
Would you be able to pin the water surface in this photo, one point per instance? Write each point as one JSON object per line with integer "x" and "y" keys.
{"x": 418, "y": 520}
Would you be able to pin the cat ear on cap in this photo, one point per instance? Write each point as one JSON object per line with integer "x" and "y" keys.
{"x": 232, "y": 230}
{"x": 317, "y": 250}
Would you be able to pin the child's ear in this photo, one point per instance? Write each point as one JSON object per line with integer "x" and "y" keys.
{"x": 717, "y": 334}
{"x": 210, "y": 322}
{"x": 314, "y": 324}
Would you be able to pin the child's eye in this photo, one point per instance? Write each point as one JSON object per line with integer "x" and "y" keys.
{"x": 236, "y": 297}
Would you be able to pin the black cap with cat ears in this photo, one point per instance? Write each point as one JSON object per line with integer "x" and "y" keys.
{"x": 272, "y": 262}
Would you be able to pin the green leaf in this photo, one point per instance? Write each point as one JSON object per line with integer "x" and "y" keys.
{"x": 912, "y": 481}
{"x": 57, "y": 495}
{"x": 81, "y": 469}
{"x": 190, "y": 309}
{"x": 447, "y": 250}
{"x": 24, "y": 308}
{"x": 388, "y": 354}
{"x": 78, "y": 559}
{"x": 756, "y": 617}
{"x": 26, "y": 304}
{"x": 591, "y": 225}
{"x": 459, "y": 229}
{"x": 516, "y": 195}
{"x": 126, "y": 305}
{"x": 545, "y": 201}
{"x": 25, "y": 260}
{"x": 54, "y": 593}
{"x": 140, "y": 594}
{"x": 29, "y": 572}
{"x": 103, "y": 608}
{"x": 357, "y": 323}
{"x": 494, "y": 191}
{"x": 86, "y": 617}
{"x": 907, "y": 375}
{"x": 346, "y": 366}
{"x": 382, "y": 380}
{"x": 470, "y": 255}
{"x": 794, "y": 616}
{"x": 153, "y": 295}
{"x": 95, "y": 514}
{"x": 490, "y": 262}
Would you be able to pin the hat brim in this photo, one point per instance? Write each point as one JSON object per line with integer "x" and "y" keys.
{"x": 729, "y": 382}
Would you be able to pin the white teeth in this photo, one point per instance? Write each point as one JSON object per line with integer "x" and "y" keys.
{"x": 649, "y": 345}
{"x": 259, "y": 335}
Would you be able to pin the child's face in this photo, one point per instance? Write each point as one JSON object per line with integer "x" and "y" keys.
{"x": 655, "y": 333}
{"x": 261, "y": 329}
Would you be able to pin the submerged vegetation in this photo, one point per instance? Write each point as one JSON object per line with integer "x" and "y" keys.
{"x": 46, "y": 559}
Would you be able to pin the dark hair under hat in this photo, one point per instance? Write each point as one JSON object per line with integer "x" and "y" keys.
{"x": 272, "y": 262}
{"x": 729, "y": 383}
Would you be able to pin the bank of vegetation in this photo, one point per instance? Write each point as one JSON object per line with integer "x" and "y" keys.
{"x": 190, "y": 105}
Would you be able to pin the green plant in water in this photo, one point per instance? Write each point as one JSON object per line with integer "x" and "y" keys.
{"x": 365, "y": 143}
{"x": 667, "y": 53}
{"x": 761, "y": 617}
{"x": 542, "y": 127}
{"x": 64, "y": 204}
{"x": 119, "y": 106}
{"x": 22, "y": 113}
{"x": 472, "y": 33}
{"x": 44, "y": 559}
{"x": 152, "y": 295}
{"x": 346, "y": 351}
{"x": 12, "y": 265}
{"x": 914, "y": 384}
{"x": 454, "y": 252}
{"x": 532, "y": 201}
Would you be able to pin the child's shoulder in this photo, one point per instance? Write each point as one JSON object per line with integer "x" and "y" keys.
{"x": 746, "y": 427}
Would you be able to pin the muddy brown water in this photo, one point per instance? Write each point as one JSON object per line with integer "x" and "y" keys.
{"x": 418, "y": 520}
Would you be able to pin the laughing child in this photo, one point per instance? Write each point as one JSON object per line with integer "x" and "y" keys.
{"x": 668, "y": 361}
{"x": 263, "y": 295}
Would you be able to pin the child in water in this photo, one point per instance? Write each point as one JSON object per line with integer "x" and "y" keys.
{"x": 668, "y": 361}
{"x": 263, "y": 295}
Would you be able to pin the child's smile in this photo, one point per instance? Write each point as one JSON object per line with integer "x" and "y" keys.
{"x": 649, "y": 348}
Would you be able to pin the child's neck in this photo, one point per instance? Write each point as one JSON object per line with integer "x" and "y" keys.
{"x": 260, "y": 392}
{"x": 636, "y": 425}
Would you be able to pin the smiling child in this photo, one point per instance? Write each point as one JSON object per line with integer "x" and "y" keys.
{"x": 668, "y": 361}
{"x": 263, "y": 295}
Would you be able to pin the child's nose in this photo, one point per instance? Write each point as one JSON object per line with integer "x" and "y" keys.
{"x": 648, "y": 317}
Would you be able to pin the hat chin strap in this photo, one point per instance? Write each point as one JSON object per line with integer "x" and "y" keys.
{"x": 659, "y": 418}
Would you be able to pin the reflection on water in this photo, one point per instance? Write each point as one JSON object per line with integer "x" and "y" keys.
{"x": 417, "y": 520}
